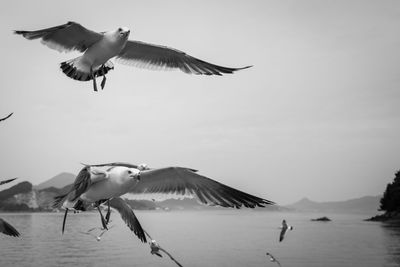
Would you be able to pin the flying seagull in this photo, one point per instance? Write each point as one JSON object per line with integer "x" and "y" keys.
{"x": 156, "y": 249}
{"x": 8, "y": 116}
{"x": 105, "y": 182}
{"x": 102, "y": 232}
{"x": 5, "y": 227}
{"x": 273, "y": 259}
{"x": 284, "y": 228}
{"x": 99, "y": 47}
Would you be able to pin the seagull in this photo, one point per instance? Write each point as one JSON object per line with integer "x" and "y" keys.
{"x": 101, "y": 183}
{"x": 99, "y": 47}
{"x": 284, "y": 228}
{"x": 156, "y": 248}
{"x": 5, "y": 227}
{"x": 8, "y": 116}
{"x": 273, "y": 259}
{"x": 94, "y": 185}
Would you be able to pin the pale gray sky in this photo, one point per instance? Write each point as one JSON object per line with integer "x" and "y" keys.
{"x": 318, "y": 114}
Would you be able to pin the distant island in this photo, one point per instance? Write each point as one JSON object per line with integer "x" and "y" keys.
{"x": 390, "y": 202}
{"x": 363, "y": 205}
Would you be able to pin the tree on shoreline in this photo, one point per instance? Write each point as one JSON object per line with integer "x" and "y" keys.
{"x": 391, "y": 198}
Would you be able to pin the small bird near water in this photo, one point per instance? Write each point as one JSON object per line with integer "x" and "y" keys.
{"x": 273, "y": 259}
{"x": 99, "y": 47}
{"x": 284, "y": 228}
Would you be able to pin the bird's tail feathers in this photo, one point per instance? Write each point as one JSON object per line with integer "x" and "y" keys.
{"x": 76, "y": 70}
{"x": 59, "y": 200}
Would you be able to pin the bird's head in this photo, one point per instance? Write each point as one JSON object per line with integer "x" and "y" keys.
{"x": 125, "y": 173}
{"x": 123, "y": 32}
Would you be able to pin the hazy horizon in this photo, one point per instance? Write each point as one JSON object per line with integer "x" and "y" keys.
{"x": 316, "y": 116}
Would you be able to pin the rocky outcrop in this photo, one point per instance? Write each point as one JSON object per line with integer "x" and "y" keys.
{"x": 387, "y": 216}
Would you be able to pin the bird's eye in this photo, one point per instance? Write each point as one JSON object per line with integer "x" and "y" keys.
{"x": 129, "y": 172}
{"x": 120, "y": 29}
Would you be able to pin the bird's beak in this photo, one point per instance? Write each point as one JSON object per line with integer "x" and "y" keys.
{"x": 136, "y": 176}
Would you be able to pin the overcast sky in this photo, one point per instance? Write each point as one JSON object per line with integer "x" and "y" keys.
{"x": 318, "y": 115}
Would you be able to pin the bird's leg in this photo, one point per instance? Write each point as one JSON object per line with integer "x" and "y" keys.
{"x": 108, "y": 212}
{"x": 103, "y": 82}
{"x": 94, "y": 79}
{"x": 65, "y": 218}
{"x": 103, "y": 221}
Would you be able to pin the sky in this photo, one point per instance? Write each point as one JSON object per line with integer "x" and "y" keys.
{"x": 316, "y": 116}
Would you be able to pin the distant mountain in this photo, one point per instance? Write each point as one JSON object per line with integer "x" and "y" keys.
{"x": 58, "y": 181}
{"x": 365, "y": 204}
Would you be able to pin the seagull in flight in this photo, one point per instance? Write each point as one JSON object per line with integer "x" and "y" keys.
{"x": 156, "y": 249}
{"x": 284, "y": 228}
{"x": 105, "y": 183}
{"x": 5, "y": 227}
{"x": 273, "y": 259}
{"x": 99, "y": 47}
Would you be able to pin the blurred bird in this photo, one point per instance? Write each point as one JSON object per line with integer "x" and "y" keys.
{"x": 156, "y": 249}
{"x": 99, "y": 47}
{"x": 6, "y": 117}
{"x": 284, "y": 228}
{"x": 273, "y": 259}
{"x": 5, "y": 227}
{"x": 102, "y": 232}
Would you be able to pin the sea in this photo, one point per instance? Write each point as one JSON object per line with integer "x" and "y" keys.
{"x": 202, "y": 238}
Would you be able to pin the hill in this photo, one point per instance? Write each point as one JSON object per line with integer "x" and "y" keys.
{"x": 367, "y": 204}
{"x": 58, "y": 181}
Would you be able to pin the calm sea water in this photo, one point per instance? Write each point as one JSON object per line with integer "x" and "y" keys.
{"x": 202, "y": 238}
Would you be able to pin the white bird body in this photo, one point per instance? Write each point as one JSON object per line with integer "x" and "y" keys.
{"x": 99, "y": 53}
{"x": 103, "y": 183}
{"x": 116, "y": 184}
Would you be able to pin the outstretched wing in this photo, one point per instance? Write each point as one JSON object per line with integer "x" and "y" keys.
{"x": 170, "y": 256}
{"x": 7, "y": 181}
{"x": 151, "y": 56}
{"x": 64, "y": 38}
{"x": 129, "y": 217}
{"x": 114, "y": 164}
{"x": 7, "y": 228}
{"x": 8, "y": 116}
{"x": 178, "y": 182}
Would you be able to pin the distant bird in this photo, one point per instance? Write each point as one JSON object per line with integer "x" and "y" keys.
{"x": 98, "y": 237}
{"x": 5, "y": 227}
{"x": 99, "y": 47}
{"x": 284, "y": 228}
{"x": 156, "y": 249}
{"x": 273, "y": 259}
{"x": 6, "y": 117}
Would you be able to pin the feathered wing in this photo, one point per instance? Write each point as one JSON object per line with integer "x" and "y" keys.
{"x": 170, "y": 256}
{"x": 172, "y": 182}
{"x": 64, "y": 38}
{"x": 7, "y": 181}
{"x": 8, "y": 116}
{"x": 282, "y": 234}
{"x": 151, "y": 56}
{"x": 7, "y": 228}
{"x": 129, "y": 217}
{"x": 81, "y": 184}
